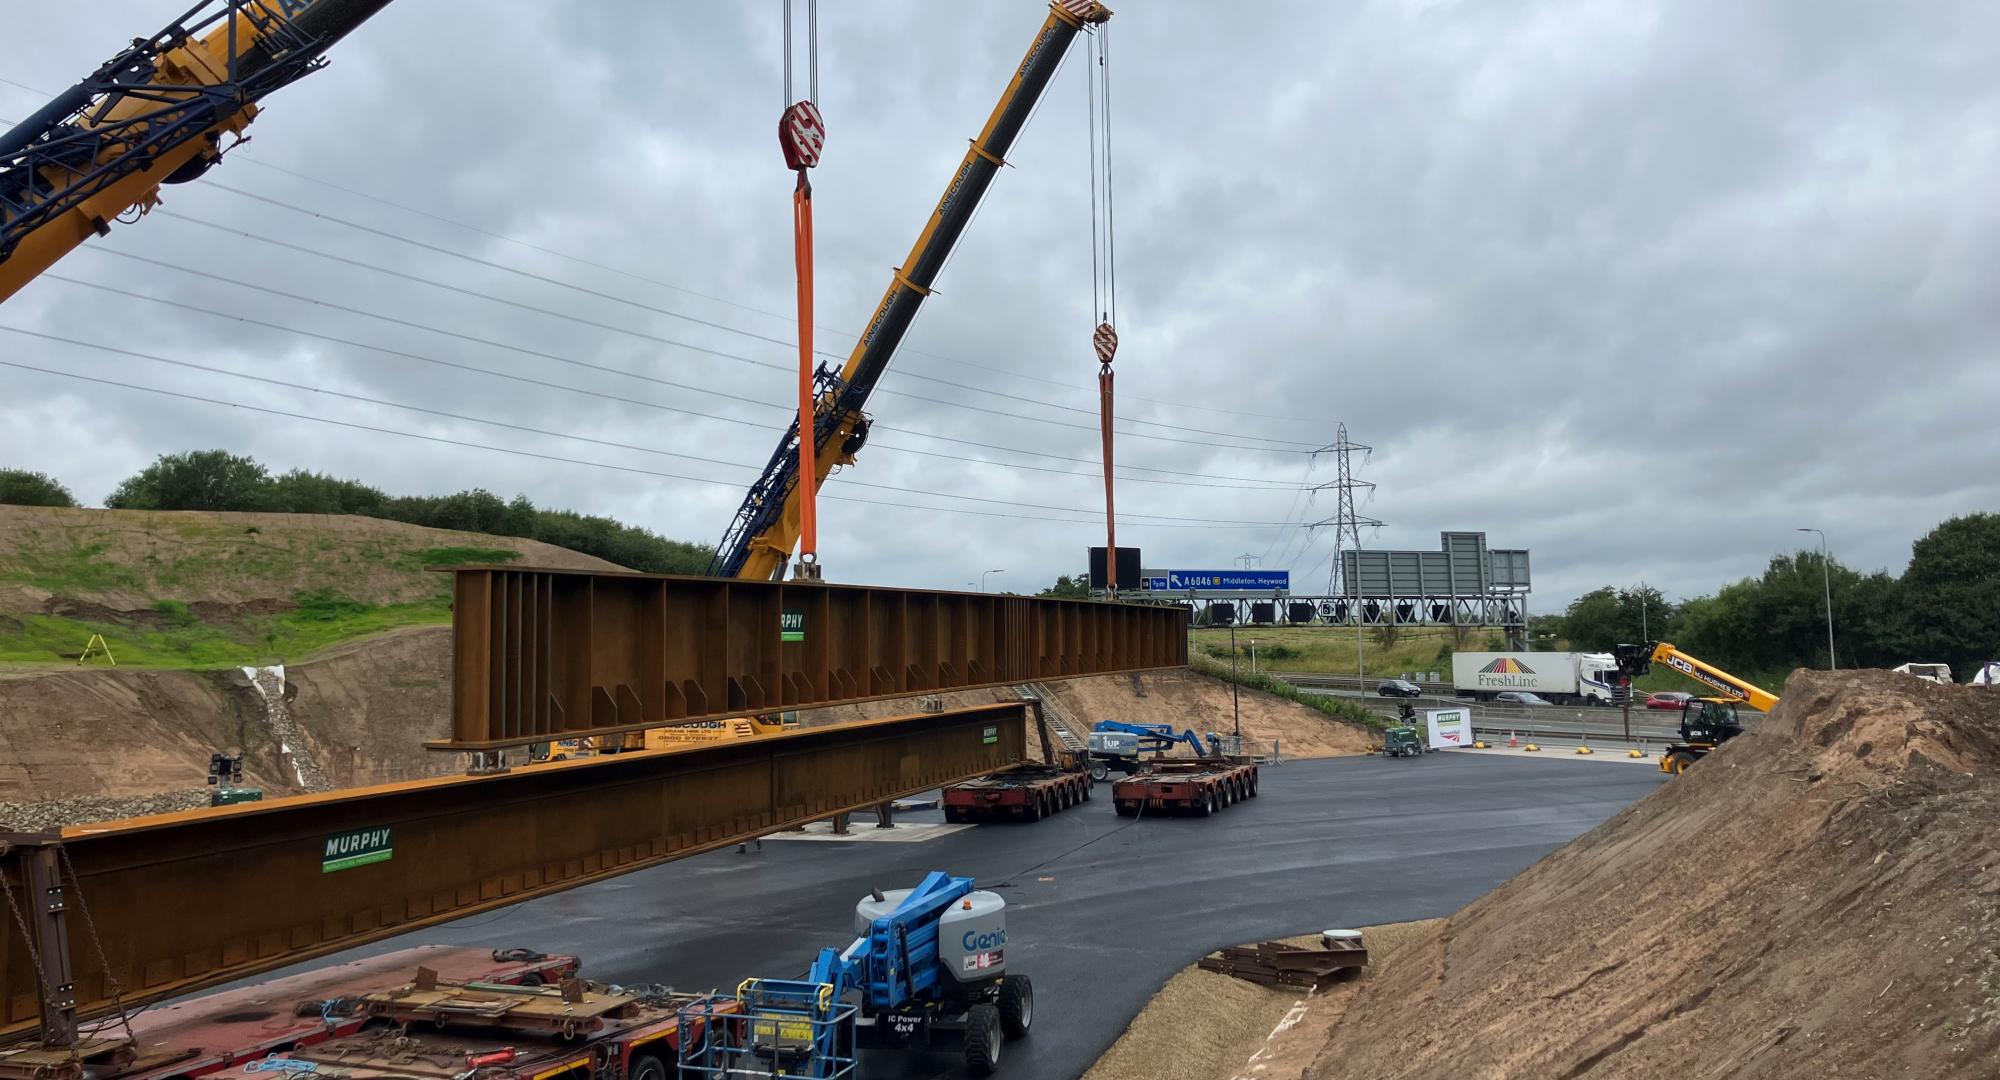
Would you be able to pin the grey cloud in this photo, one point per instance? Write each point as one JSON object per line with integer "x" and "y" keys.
{"x": 1641, "y": 286}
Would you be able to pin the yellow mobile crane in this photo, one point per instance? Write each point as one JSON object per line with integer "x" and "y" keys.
{"x": 759, "y": 541}
{"x": 1706, "y": 722}
{"x": 158, "y": 113}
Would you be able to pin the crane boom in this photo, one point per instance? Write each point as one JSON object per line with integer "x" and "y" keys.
{"x": 761, "y": 536}
{"x": 1634, "y": 660}
{"x": 153, "y": 114}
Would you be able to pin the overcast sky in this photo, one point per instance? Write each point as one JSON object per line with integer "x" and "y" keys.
{"x": 1641, "y": 286}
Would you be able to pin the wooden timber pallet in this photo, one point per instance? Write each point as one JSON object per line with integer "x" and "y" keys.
{"x": 1274, "y": 963}
{"x": 568, "y": 1009}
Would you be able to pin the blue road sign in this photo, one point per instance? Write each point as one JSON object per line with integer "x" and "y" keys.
{"x": 1229, "y": 580}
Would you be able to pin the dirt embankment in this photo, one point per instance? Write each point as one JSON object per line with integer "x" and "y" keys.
{"x": 363, "y": 711}
{"x": 1188, "y": 699}
{"x": 1819, "y": 898}
{"x": 1206, "y": 1026}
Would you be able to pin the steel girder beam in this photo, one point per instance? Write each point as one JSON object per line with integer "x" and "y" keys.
{"x": 556, "y": 654}
{"x": 182, "y": 901}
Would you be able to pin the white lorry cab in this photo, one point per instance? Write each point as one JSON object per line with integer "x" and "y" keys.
{"x": 1937, "y": 673}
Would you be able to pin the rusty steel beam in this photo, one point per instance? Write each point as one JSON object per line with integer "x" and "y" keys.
{"x": 557, "y": 654}
{"x": 180, "y": 901}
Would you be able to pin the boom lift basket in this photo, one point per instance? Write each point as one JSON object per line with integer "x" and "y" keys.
{"x": 772, "y": 1028}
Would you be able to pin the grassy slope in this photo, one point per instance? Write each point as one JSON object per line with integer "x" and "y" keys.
{"x": 1331, "y": 649}
{"x": 289, "y": 590}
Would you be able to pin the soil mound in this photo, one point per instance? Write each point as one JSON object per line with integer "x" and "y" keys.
{"x": 1820, "y": 897}
{"x": 1190, "y": 700}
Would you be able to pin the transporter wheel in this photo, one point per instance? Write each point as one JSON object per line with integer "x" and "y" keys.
{"x": 982, "y": 1039}
{"x": 1017, "y": 1005}
{"x": 1205, "y": 804}
{"x": 1099, "y": 771}
{"x": 1089, "y": 783}
{"x": 646, "y": 1067}
{"x": 1253, "y": 787}
{"x": 1125, "y": 809}
{"x": 1032, "y": 811}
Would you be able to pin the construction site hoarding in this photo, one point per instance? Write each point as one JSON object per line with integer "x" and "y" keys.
{"x": 158, "y": 906}
{"x": 556, "y": 654}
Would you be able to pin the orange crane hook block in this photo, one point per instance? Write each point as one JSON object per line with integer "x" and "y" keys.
{"x": 802, "y": 134}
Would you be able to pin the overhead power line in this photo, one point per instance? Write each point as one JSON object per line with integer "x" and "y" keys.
{"x": 517, "y": 452}
{"x": 1303, "y": 447}
{"x": 586, "y": 365}
{"x": 643, "y": 403}
{"x": 643, "y": 335}
{"x": 528, "y": 429}
{"x": 247, "y": 155}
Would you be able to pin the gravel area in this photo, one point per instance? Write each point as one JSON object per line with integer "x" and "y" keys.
{"x": 55, "y": 813}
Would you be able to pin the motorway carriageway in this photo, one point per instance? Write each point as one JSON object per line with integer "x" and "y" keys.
{"x": 1101, "y": 909}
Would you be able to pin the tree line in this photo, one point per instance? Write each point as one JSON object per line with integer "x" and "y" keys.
{"x": 219, "y": 480}
{"x": 1944, "y": 608}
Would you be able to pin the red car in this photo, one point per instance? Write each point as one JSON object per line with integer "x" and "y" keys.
{"x": 1668, "y": 699}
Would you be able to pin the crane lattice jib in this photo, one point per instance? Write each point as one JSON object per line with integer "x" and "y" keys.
{"x": 760, "y": 537}
{"x": 155, "y": 113}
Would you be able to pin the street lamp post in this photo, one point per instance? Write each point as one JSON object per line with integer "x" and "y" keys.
{"x": 982, "y": 578}
{"x": 1826, "y": 585}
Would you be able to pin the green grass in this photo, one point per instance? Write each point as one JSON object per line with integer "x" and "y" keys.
{"x": 463, "y": 556}
{"x": 51, "y": 639}
{"x": 68, "y": 567}
{"x": 1331, "y": 648}
{"x": 171, "y": 633}
{"x": 1345, "y": 710}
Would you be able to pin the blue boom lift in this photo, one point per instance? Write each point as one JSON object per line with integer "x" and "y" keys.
{"x": 927, "y": 968}
{"x": 1115, "y": 744}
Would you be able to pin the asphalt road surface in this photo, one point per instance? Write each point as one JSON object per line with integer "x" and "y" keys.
{"x": 1101, "y": 909}
{"x": 1648, "y": 725}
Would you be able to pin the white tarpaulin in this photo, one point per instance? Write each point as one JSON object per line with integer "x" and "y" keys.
{"x": 1449, "y": 728}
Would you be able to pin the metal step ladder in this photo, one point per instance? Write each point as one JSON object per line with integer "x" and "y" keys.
{"x": 1070, "y": 739}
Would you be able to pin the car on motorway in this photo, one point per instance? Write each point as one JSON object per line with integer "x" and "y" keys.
{"x": 1519, "y": 697}
{"x": 1668, "y": 699}
{"x": 1398, "y": 688}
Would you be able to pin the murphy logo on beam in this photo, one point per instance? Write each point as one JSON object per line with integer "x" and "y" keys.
{"x": 358, "y": 848}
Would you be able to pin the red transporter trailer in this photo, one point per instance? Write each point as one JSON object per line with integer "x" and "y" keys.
{"x": 431, "y": 1029}
{"x": 201, "y": 1035}
{"x": 1027, "y": 792}
{"x": 1202, "y": 787}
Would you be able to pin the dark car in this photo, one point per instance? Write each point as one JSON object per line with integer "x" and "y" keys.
{"x": 1398, "y": 688}
{"x": 1668, "y": 699}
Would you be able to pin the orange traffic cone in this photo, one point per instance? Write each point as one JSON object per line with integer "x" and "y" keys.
{"x": 1511, "y": 740}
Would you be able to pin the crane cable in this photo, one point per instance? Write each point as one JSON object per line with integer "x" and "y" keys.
{"x": 802, "y": 135}
{"x": 1103, "y": 281}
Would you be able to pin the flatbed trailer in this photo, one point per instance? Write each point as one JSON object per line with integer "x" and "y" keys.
{"x": 202, "y": 1035}
{"x": 1197, "y": 787}
{"x": 1026, "y": 792}
{"x": 431, "y": 1029}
